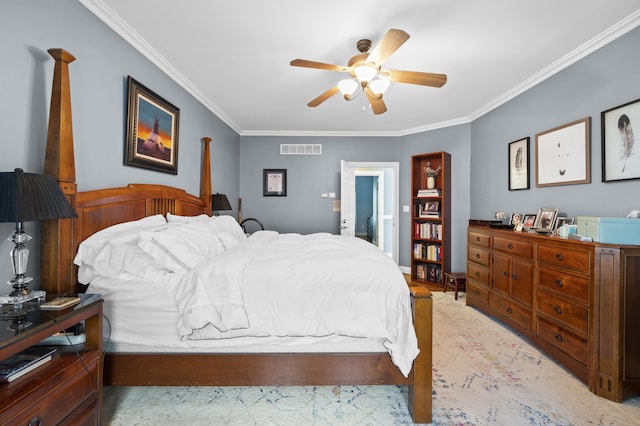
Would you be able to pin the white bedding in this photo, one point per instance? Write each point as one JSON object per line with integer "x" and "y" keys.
{"x": 318, "y": 287}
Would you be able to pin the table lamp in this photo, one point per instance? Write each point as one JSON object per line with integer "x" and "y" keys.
{"x": 28, "y": 197}
{"x": 219, "y": 202}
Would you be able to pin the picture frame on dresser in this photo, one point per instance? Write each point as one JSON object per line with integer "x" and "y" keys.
{"x": 620, "y": 158}
{"x": 519, "y": 164}
{"x": 546, "y": 219}
{"x": 563, "y": 154}
{"x": 151, "y": 140}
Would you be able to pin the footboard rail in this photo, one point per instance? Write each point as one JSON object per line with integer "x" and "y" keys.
{"x": 420, "y": 391}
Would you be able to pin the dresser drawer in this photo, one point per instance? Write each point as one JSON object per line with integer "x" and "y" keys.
{"x": 565, "y": 257}
{"x": 564, "y": 340}
{"x": 564, "y": 313}
{"x": 478, "y": 239}
{"x": 478, "y": 255}
{"x": 569, "y": 285}
{"x": 478, "y": 273}
{"x": 477, "y": 294}
{"x": 510, "y": 311}
{"x": 514, "y": 247}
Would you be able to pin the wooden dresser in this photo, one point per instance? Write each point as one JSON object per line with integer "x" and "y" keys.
{"x": 577, "y": 301}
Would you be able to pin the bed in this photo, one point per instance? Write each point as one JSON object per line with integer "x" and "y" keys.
{"x": 101, "y": 209}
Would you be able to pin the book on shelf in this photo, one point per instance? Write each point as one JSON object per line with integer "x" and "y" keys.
{"x": 428, "y": 193}
{"x": 21, "y": 363}
{"x": 60, "y": 303}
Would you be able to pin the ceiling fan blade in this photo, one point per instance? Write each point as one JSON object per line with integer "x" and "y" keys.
{"x": 391, "y": 41}
{"x": 413, "y": 77}
{"x": 377, "y": 104}
{"x": 326, "y": 95}
{"x": 317, "y": 65}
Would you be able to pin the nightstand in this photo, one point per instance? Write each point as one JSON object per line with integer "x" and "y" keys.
{"x": 457, "y": 280}
{"x": 65, "y": 390}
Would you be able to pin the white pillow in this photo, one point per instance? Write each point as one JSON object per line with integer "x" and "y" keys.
{"x": 92, "y": 246}
{"x": 228, "y": 224}
{"x": 181, "y": 247}
{"x": 173, "y": 218}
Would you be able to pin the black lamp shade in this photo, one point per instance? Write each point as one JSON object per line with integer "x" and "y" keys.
{"x": 220, "y": 202}
{"x": 27, "y": 197}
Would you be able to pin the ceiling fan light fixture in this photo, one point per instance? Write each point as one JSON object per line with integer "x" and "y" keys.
{"x": 365, "y": 73}
{"x": 347, "y": 87}
{"x": 379, "y": 85}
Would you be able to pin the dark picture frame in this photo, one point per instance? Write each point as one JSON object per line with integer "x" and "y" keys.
{"x": 529, "y": 220}
{"x": 519, "y": 164}
{"x": 151, "y": 140}
{"x": 620, "y": 158}
{"x": 274, "y": 182}
{"x": 563, "y": 154}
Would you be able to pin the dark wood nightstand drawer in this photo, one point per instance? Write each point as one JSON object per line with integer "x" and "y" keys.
{"x": 60, "y": 395}
{"x": 569, "y": 285}
{"x": 564, "y": 313}
{"x": 564, "y": 340}
{"x": 514, "y": 247}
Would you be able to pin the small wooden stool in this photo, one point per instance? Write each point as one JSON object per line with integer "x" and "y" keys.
{"x": 457, "y": 280}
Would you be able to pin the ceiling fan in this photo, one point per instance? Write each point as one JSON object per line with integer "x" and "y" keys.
{"x": 367, "y": 74}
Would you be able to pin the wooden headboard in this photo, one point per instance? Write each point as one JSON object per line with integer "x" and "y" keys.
{"x": 101, "y": 208}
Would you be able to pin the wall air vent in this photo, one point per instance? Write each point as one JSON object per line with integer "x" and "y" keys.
{"x": 300, "y": 149}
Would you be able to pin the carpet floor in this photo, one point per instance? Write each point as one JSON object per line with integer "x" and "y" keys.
{"x": 483, "y": 374}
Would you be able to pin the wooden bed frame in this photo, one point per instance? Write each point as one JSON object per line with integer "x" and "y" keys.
{"x": 102, "y": 208}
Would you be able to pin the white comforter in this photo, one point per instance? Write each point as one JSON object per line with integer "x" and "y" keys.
{"x": 320, "y": 284}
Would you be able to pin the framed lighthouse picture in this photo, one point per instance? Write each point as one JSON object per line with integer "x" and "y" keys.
{"x": 151, "y": 140}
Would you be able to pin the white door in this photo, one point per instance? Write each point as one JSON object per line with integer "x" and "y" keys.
{"x": 347, "y": 199}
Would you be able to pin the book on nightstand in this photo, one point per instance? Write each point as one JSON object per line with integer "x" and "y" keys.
{"x": 21, "y": 363}
{"x": 60, "y": 303}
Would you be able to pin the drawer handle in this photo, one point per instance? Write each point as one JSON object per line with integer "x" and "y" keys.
{"x": 505, "y": 273}
{"x": 510, "y": 310}
{"x": 477, "y": 273}
{"x": 559, "y": 256}
{"x": 559, "y": 282}
{"x": 35, "y": 421}
{"x": 477, "y": 238}
{"x": 514, "y": 277}
{"x": 558, "y": 309}
{"x": 510, "y": 246}
{"x": 558, "y": 337}
{"x": 478, "y": 292}
{"x": 477, "y": 255}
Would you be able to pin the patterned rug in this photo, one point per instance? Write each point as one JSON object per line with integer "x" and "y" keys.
{"x": 483, "y": 374}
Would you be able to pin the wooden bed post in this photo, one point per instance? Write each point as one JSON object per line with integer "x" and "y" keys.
{"x": 420, "y": 392}
{"x": 57, "y": 273}
{"x": 205, "y": 175}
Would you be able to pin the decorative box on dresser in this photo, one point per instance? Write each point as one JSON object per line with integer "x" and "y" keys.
{"x": 577, "y": 301}
{"x": 430, "y": 229}
{"x": 66, "y": 390}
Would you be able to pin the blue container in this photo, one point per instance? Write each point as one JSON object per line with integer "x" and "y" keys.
{"x": 610, "y": 230}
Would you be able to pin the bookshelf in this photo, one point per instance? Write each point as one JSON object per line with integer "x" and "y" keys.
{"x": 430, "y": 218}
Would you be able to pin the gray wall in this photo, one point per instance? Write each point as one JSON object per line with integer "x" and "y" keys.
{"x": 605, "y": 79}
{"x": 308, "y": 176}
{"x": 98, "y": 87}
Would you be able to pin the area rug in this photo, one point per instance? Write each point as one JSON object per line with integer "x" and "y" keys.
{"x": 483, "y": 374}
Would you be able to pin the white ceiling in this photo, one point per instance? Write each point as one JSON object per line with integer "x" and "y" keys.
{"x": 234, "y": 56}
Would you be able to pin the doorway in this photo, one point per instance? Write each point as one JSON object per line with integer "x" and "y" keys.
{"x": 379, "y": 189}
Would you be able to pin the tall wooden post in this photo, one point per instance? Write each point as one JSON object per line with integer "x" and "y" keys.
{"x": 205, "y": 177}
{"x": 57, "y": 274}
